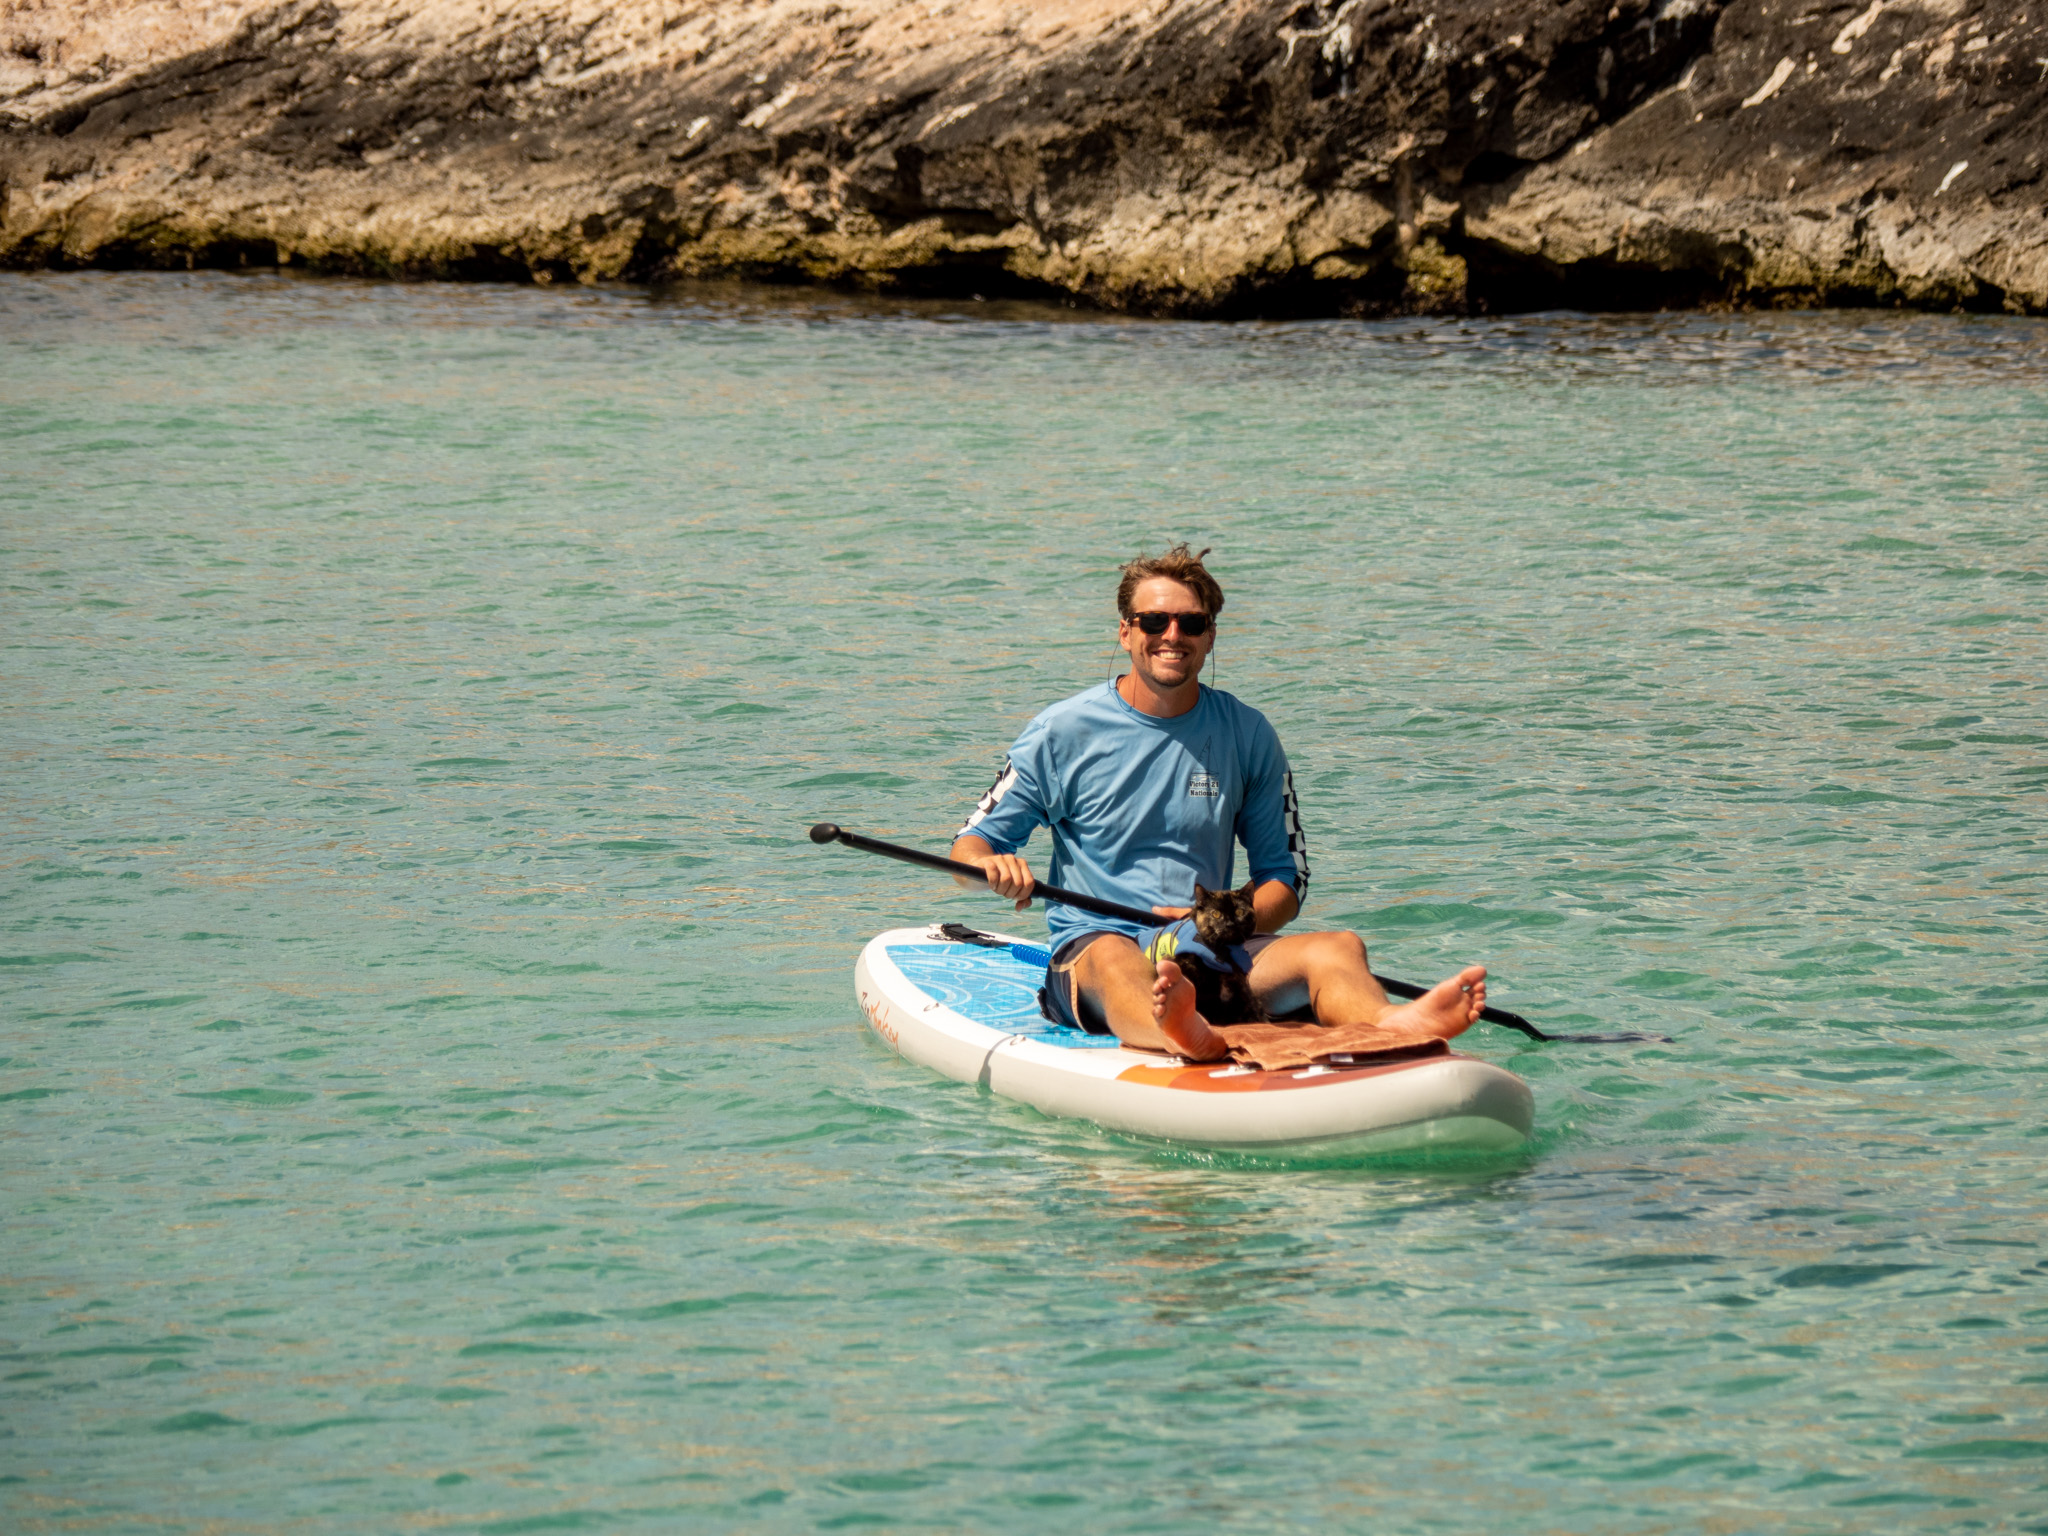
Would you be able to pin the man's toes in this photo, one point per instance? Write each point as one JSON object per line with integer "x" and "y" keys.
{"x": 1163, "y": 989}
{"x": 1472, "y": 989}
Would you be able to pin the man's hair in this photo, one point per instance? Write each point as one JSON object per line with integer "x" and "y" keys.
{"x": 1183, "y": 566}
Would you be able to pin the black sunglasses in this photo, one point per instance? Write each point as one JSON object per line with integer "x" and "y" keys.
{"x": 1191, "y": 624}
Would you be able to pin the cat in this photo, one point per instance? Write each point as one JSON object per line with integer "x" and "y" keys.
{"x": 1223, "y": 921}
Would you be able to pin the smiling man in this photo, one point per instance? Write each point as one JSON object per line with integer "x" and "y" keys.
{"x": 1147, "y": 784}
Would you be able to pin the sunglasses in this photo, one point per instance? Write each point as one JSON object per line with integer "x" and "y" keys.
{"x": 1191, "y": 624}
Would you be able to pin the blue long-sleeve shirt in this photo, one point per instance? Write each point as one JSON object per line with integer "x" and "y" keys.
{"x": 1141, "y": 808}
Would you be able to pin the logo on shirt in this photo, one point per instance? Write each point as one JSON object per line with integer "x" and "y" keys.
{"x": 1203, "y": 784}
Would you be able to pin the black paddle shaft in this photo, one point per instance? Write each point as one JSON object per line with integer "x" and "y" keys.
{"x": 826, "y": 832}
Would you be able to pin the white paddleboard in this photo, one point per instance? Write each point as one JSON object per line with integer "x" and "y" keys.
{"x": 972, "y": 1014}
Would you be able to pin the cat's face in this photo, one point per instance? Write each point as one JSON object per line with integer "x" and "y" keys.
{"x": 1224, "y": 918}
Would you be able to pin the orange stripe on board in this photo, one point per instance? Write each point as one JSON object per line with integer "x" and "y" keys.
{"x": 1223, "y": 1080}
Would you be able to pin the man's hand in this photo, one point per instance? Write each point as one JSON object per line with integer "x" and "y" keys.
{"x": 1006, "y": 873}
{"x": 1173, "y": 914}
{"x": 1009, "y": 876}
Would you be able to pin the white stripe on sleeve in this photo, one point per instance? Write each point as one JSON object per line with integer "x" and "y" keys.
{"x": 989, "y": 801}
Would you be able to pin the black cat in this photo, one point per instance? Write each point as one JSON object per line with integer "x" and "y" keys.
{"x": 1223, "y": 921}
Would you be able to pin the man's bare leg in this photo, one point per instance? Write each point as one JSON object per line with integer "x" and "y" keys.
{"x": 1154, "y": 1011}
{"x": 1173, "y": 1010}
{"x": 1332, "y": 970}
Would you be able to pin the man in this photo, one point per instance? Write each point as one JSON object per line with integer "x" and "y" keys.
{"x": 1145, "y": 784}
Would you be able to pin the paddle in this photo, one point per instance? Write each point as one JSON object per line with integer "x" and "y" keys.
{"x": 826, "y": 832}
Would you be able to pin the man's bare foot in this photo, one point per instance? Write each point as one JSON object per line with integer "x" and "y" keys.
{"x": 1173, "y": 1010}
{"x": 1446, "y": 1009}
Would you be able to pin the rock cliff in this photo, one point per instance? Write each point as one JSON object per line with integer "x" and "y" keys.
{"x": 1181, "y": 156}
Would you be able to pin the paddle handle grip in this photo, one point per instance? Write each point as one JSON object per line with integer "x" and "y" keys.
{"x": 826, "y": 832}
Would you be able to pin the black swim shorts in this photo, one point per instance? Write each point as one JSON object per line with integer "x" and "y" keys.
{"x": 1061, "y": 999}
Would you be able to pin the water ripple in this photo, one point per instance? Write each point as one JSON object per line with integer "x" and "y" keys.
{"x": 431, "y": 1088}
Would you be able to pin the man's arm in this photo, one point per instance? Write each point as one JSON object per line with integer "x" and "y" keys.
{"x": 1007, "y": 873}
{"x": 1269, "y": 826}
{"x": 1274, "y": 905}
{"x": 1009, "y": 812}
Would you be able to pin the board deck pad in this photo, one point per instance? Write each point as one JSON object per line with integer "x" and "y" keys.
{"x": 995, "y": 987}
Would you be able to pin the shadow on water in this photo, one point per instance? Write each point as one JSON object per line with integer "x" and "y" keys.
{"x": 1439, "y": 1167}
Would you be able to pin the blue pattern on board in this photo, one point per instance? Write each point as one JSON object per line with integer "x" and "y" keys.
{"x": 996, "y": 987}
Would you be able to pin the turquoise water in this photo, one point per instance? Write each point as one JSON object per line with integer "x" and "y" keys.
{"x": 431, "y": 1094}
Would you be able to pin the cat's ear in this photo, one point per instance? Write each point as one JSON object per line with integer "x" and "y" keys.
{"x": 1246, "y": 890}
{"x": 1202, "y": 893}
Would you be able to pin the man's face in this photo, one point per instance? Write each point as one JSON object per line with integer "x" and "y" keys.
{"x": 1169, "y": 660}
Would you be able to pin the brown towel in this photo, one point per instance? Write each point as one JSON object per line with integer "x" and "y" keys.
{"x": 1276, "y": 1047}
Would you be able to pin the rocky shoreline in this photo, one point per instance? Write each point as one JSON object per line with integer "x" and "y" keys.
{"x": 1194, "y": 157}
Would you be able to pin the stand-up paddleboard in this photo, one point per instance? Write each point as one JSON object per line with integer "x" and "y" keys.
{"x": 971, "y": 1012}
